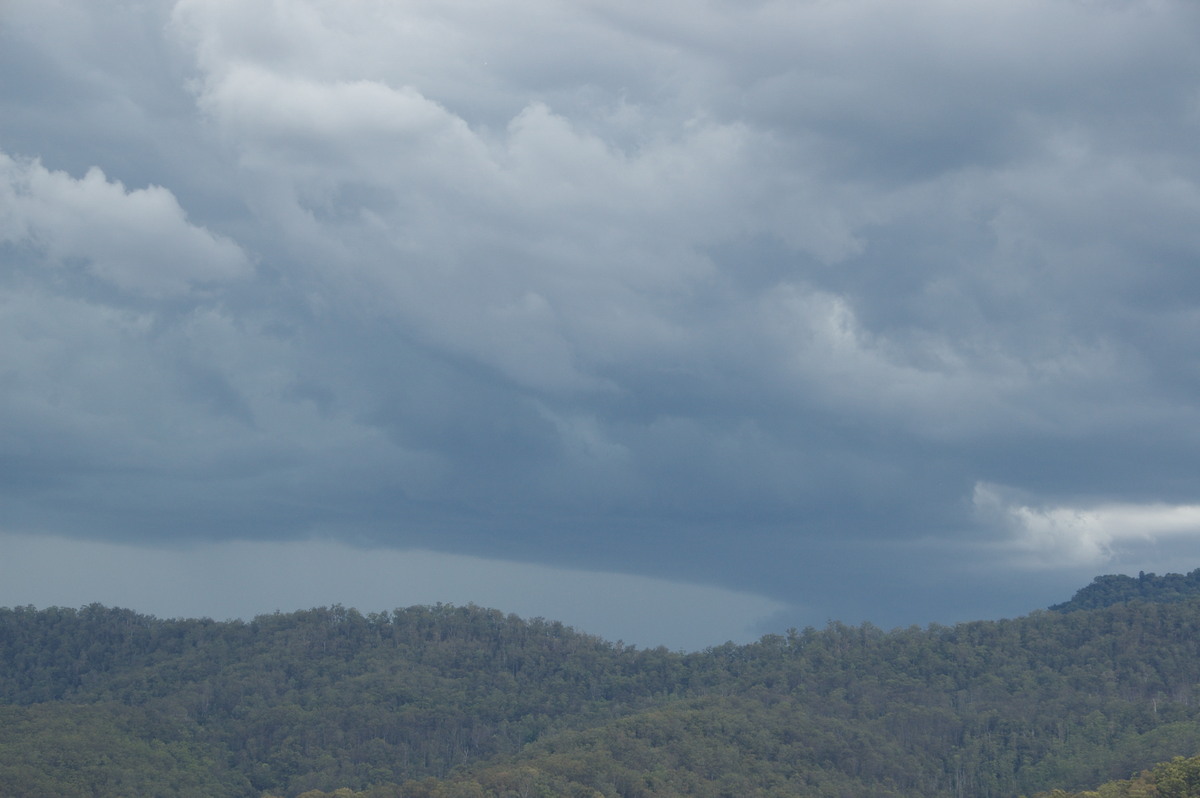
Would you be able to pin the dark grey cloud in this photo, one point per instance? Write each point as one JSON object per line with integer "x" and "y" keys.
{"x": 851, "y": 304}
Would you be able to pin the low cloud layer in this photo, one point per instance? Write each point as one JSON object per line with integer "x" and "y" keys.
{"x": 753, "y": 296}
{"x": 244, "y": 579}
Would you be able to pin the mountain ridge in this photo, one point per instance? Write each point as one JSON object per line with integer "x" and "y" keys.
{"x": 1110, "y": 589}
{"x": 446, "y": 700}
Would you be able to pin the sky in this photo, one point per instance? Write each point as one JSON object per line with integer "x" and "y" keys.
{"x": 677, "y": 322}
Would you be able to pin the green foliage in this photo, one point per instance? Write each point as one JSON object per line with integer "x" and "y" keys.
{"x": 61, "y": 750}
{"x": 1178, "y": 778}
{"x": 463, "y": 702}
{"x": 1105, "y": 591}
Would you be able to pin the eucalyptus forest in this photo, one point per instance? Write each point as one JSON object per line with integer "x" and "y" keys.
{"x": 1099, "y": 696}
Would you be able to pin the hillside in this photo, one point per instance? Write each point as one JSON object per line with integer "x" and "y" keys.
{"x": 464, "y": 701}
{"x": 1105, "y": 591}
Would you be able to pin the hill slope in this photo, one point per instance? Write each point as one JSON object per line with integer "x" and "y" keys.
{"x": 441, "y": 701}
{"x": 1105, "y": 591}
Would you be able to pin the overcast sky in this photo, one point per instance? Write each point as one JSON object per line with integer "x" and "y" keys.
{"x": 676, "y": 321}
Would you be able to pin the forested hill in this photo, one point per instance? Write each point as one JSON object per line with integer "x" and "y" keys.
{"x": 438, "y": 702}
{"x": 1104, "y": 591}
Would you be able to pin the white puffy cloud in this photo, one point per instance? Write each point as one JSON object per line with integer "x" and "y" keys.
{"x": 1091, "y": 536}
{"x": 139, "y": 240}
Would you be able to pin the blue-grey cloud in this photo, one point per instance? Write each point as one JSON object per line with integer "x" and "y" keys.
{"x": 850, "y": 304}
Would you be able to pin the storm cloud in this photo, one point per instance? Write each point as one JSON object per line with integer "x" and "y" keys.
{"x": 875, "y": 310}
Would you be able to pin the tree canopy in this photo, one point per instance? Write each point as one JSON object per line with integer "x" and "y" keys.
{"x": 441, "y": 701}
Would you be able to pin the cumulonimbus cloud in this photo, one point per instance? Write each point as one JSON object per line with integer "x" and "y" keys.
{"x": 713, "y": 289}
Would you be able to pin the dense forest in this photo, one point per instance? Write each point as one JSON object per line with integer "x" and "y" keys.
{"x": 1179, "y": 778}
{"x": 448, "y": 701}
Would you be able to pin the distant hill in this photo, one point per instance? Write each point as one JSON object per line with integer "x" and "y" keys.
{"x": 466, "y": 702}
{"x": 1105, "y": 591}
